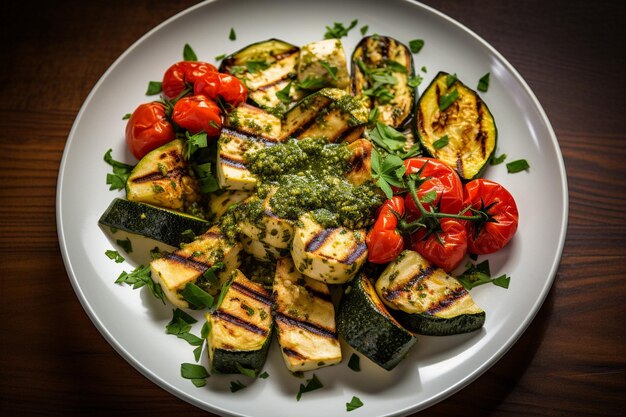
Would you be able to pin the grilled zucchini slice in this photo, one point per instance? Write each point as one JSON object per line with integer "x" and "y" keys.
{"x": 265, "y": 67}
{"x": 164, "y": 225}
{"x": 332, "y": 255}
{"x": 257, "y": 221}
{"x": 466, "y": 122}
{"x": 329, "y": 113}
{"x": 305, "y": 320}
{"x": 425, "y": 299}
{"x": 381, "y": 69}
{"x": 175, "y": 270}
{"x": 162, "y": 178}
{"x": 366, "y": 325}
{"x": 240, "y": 328}
{"x": 323, "y": 64}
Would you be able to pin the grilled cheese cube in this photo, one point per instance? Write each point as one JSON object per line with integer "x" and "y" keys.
{"x": 305, "y": 320}
{"x": 332, "y": 255}
{"x": 175, "y": 270}
{"x": 261, "y": 251}
{"x": 219, "y": 203}
{"x": 324, "y": 60}
{"x": 258, "y": 222}
{"x": 360, "y": 162}
{"x": 240, "y": 328}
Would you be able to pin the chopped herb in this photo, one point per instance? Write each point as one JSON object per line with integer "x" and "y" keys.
{"x": 373, "y": 116}
{"x": 479, "y": 274}
{"x": 451, "y": 79}
{"x": 126, "y": 116}
{"x": 256, "y": 65}
{"x": 117, "y": 180}
{"x": 354, "y": 404}
{"x": 330, "y": 69}
{"x": 207, "y": 181}
{"x": 157, "y": 189}
{"x": 126, "y": 244}
{"x": 387, "y": 138}
{"x": 354, "y": 362}
{"x": 220, "y": 57}
{"x": 447, "y": 99}
{"x": 364, "y": 29}
{"x": 441, "y": 142}
{"x": 284, "y": 93}
{"x": 154, "y": 88}
{"x": 517, "y": 166}
{"x": 264, "y": 375}
{"x": 195, "y": 142}
{"x": 196, "y": 296}
{"x": 311, "y": 83}
{"x": 196, "y": 373}
{"x": 249, "y": 310}
{"x": 180, "y": 325}
{"x": 139, "y": 277}
{"x": 188, "y": 235}
{"x": 387, "y": 171}
{"x": 236, "y": 386}
{"x": 189, "y": 54}
{"x": 245, "y": 371}
{"x": 415, "y": 81}
{"x": 338, "y": 30}
{"x": 423, "y": 69}
{"x": 483, "y": 83}
{"x": 416, "y": 45}
{"x": 311, "y": 385}
{"x": 232, "y": 35}
{"x": 395, "y": 66}
{"x": 496, "y": 160}
{"x": 113, "y": 254}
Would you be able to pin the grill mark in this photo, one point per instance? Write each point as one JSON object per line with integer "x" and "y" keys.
{"x": 318, "y": 240}
{"x": 240, "y": 322}
{"x": 318, "y": 294}
{"x": 232, "y": 162}
{"x": 305, "y": 126}
{"x": 263, "y": 298}
{"x": 447, "y": 302}
{"x": 153, "y": 176}
{"x": 273, "y": 83}
{"x": 325, "y": 117}
{"x": 305, "y": 325}
{"x": 355, "y": 254}
{"x": 481, "y": 136}
{"x": 293, "y": 354}
{"x": 394, "y": 292}
{"x": 246, "y": 136}
{"x": 287, "y": 54}
{"x": 197, "y": 265}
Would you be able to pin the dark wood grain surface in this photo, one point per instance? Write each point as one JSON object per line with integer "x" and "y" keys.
{"x": 570, "y": 361}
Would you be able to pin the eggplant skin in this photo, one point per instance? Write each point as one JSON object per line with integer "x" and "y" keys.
{"x": 466, "y": 122}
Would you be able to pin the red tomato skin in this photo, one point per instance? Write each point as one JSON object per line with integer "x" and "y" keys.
{"x": 215, "y": 84}
{"x": 178, "y": 75}
{"x": 490, "y": 236}
{"x": 198, "y": 114}
{"x": 440, "y": 178}
{"x": 148, "y": 128}
{"x": 384, "y": 242}
{"x": 447, "y": 254}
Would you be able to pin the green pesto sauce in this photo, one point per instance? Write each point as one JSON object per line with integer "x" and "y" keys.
{"x": 308, "y": 176}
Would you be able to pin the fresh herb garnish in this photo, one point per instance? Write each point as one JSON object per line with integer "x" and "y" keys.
{"x": 284, "y": 93}
{"x": 189, "y": 54}
{"x": 256, "y": 65}
{"x": 387, "y": 171}
{"x": 483, "y": 83}
{"x": 207, "y": 181}
{"x": 113, "y": 254}
{"x": 517, "y": 166}
{"x": 364, "y": 29}
{"x": 423, "y": 69}
{"x": 121, "y": 171}
{"x": 139, "y": 277}
{"x": 354, "y": 362}
{"x": 416, "y": 45}
{"x": 497, "y": 159}
{"x": 441, "y": 142}
{"x": 232, "y": 35}
{"x": 220, "y": 57}
{"x": 415, "y": 81}
{"x": 264, "y": 375}
{"x": 479, "y": 274}
{"x": 451, "y": 79}
{"x": 447, "y": 99}
{"x": 245, "y": 371}
{"x": 196, "y": 373}
{"x": 154, "y": 88}
{"x": 236, "y": 386}
{"x": 180, "y": 325}
{"x": 387, "y": 138}
{"x": 194, "y": 142}
{"x": 372, "y": 119}
{"x": 330, "y": 69}
{"x": 311, "y": 385}
{"x": 311, "y": 83}
{"x": 338, "y": 30}
{"x": 125, "y": 244}
{"x": 196, "y": 296}
{"x": 354, "y": 404}
{"x": 126, "y": 116}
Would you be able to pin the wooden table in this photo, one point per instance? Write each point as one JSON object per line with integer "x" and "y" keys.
{"x": 570, "y": 361}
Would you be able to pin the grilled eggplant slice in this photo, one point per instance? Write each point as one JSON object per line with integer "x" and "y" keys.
{"x": 240, "y": 328}
{"x": 365, "y": 324}
{"x": 323, "y": 64}
{"x": 257, "y": 221}
{"x": 329, "y": 113}
{"x": 381, "y": 70}
{"x": 425, "y": 299}
{"x": 332, "y": 255}
{"x": 305, "y": 320}
{"x": 164, "y": 225}
{"x": 449, "y": 109}
{"x": 175, "y": 270}
{"x": 266, "y": 68}
{"x": 162, "y": 178}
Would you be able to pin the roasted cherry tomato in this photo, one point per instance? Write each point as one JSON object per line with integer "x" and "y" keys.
{"x": 198, "y": 114}
{"x": 445, "y": 247}
{"x": 215, "y": 84}
{"x": 435, "y": 177}
{"x": 148, "y": 128}
{"x": 500, "y": 216}
{"x": 180, "y": 75}
{"x": 384, "y": 242}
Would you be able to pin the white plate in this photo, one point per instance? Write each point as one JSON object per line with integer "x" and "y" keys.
{"x": 133, "y": 322}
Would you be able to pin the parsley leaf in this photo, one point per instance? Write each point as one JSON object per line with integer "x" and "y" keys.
{"x": 207, "y": 181}
{"x": 451, "y": 79}
{"x": 180, "y": 325}
{"x": 364, "y": 29}
{"x": 113, "y": 254}
{"x": 354, "y": 404}
{"x": 416, "y": 45}
{"x": 338, "y": 30}
{"x": 126, "y": 244}
{"x": 196, "y": 296}
{"x": 311, "y": 385}
{"x": 196, "y": 373}
{"x": 517, "y": 166}
{"x": 264, "y": 375}
{"x": 387, "y": 171}
{"x": 483, "y": 83}
{"x": 232, "y": 35}
{"x": 354, "y": 363}
{"x": 117, "y": 180}
{"x": 284, "y": 93}
{"x": 497, "y": 159}
{"x": 311, "y": 83}
{"x": 189, "y": 54}
{"x": 236, "y": 386}
{"x": 387, "y": 138}
{"x": 256, "y": 65}
{"x": 245, "y": 371}
{"x": 415, "y": 81}
{"x": 195, "y": 142}
{"x": 139, "y": 277}
{"x": 154, "y": 88}
{"x": 330, "y": 69}
{"x": 447, "y": 99}
{"x": 479, "y": 274}
{"x": 442, "y": 142}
